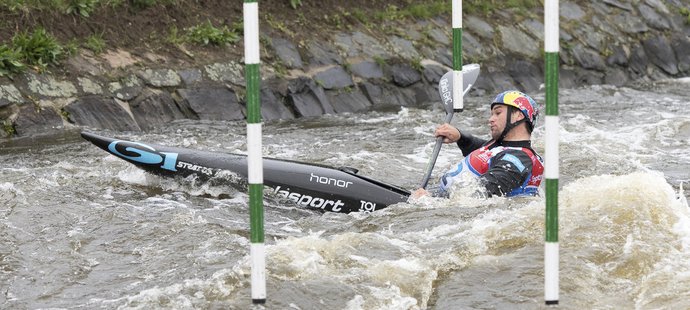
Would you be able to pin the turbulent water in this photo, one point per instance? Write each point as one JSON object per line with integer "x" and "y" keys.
{"x": 80, "y": 229}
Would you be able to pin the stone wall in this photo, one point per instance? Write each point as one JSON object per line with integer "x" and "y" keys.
{"x": 602, "y": 42}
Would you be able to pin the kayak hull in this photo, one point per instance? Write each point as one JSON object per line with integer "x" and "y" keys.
{"x": 308, "y": 185}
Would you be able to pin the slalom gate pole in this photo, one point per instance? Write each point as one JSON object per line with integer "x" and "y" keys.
{"x": 551, "y": 48}
{"x": 254, "y": 158}
{"x": 457, "y": 56}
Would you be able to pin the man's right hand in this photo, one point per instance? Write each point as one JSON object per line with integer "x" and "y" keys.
{"x": 449, "y": 133}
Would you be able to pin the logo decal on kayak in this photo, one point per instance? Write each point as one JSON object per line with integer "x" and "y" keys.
{"x": 309, "y": 201}
{"x": 142, "y": 153}
{"x": 193, "y": 167}
{"x": 329, "y": 181}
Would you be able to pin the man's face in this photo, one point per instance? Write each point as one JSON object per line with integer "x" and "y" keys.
{"x": 497, "y": 120}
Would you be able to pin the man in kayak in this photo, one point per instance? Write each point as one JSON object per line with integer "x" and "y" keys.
{"x": 506, "y": 165}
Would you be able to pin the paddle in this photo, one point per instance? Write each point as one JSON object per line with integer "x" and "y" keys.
{"x": 445, "y": 88}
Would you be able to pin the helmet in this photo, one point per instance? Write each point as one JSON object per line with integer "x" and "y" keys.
{"x": 520, "y": 101}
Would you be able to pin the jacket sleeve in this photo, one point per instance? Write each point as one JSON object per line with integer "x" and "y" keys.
{"x": 508, "y": 170}
{"x": 469, "y": 143}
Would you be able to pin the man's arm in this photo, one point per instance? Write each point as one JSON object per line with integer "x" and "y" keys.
{"x": 468, "y": 143}
{"x": 507, "y": 171}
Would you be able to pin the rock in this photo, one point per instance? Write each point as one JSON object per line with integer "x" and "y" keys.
{"x": 273, "y": 106}
{"x": 587, "y": 58}
{"x": 502, "y": 81}
{"x": 89, "y": 86}
{"x": 348, "y": 101}
{"x": 160, "y": 77}
{"x": 653, "y": 18}
{"x": 10, "y": 95}
{"x": 474, "y": 49}
{"x": 526, "y": 74}
{"x": 616, "y": 77}
{"x": 534, "y": 27}
{"x": 190, "y": 77}
{"x": 101, "y": 113}
{"x": 127, "y": 88}
{"x": 619, "y": 55}
{"x": 403, "y": 48}
{"x": 404, "y": 75}
{"x": 570, "y": 11}
{"x": 479, "y": 26}
{"x": 367, "y": 70}
{"x": 590, "y": 77}
{"x": 567, "y": 78}
{"x": 359, "y": 44}
{"x": 210, "y": 102}
{"x": 48, "y": 86}
{"x": 334, "y": 78}
{"x": 592, "y": 38}
{"x": 661, "y": 54}
{"x": 32, "y": 120}
{"x": 153, "y": 108}
{"x": 321, "y": 55}
{"x": 638, "y": 61}
{"x": 439, "y": 36}
{"x": 444, "y": 56}
{"x": 308, "y": 98}
{"x": 386, "y": 96}
{"x": 368, "y": 45}
{"x": 629, "y": 23}
{"x": 433, "y": 73}
{"x": 681, "y": 45}
{"x": 287, "y": 53}
{"x": 226, "y": 72}
{"x": 516, "y": 41}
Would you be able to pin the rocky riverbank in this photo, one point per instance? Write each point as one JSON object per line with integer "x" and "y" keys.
{"x": 359, "y": 69}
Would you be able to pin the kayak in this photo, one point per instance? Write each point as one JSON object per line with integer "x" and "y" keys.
{"x": 308, "y": 185}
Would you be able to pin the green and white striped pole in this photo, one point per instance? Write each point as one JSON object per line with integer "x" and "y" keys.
{"x": 255, "y": 173}
{"x": 551, "y": 49}
{"x": 457, "y": 55}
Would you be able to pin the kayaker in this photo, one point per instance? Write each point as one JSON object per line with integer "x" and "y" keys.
{"x": 506, "y": 165}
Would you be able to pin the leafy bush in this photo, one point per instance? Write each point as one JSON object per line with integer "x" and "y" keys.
{"x": 206, "y": 34}
{"x": 81, "y": 7}
{"x": 38, "y": 48}
{"x": 10, "y": 61}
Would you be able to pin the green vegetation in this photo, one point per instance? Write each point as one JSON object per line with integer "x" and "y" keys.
{"x": 295, "y": 3}
{"x": 95, "y": 43}
{"x": 10, "y": 61}
{"x": 8, "y": 127}
{"x": 685, "y": 12}
{"x": 81, "y": 7}
{"x": 206, "y": 34}
{"x": 38, "y": 49}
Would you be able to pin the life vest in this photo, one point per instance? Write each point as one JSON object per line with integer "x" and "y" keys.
{"x": 477, "y": 163}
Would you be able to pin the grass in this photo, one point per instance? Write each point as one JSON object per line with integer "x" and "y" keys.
{"x": 95, "y": 43}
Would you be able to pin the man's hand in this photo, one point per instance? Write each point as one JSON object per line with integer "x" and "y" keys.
{"x": 449, "y": 133}
{"x": 420, "y": 192}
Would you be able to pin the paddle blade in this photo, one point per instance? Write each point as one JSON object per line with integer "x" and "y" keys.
{"x": 470, "y": 73}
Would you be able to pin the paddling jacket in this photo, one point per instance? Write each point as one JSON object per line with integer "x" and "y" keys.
{"x": 505, "y": 168}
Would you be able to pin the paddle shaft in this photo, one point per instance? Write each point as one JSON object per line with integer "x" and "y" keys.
{"x": 434, "y": 155}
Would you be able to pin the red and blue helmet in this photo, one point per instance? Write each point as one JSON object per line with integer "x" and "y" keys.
{"x": 521, "y": 101}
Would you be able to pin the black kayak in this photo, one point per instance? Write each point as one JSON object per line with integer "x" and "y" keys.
{"x": 308, "y": 185}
